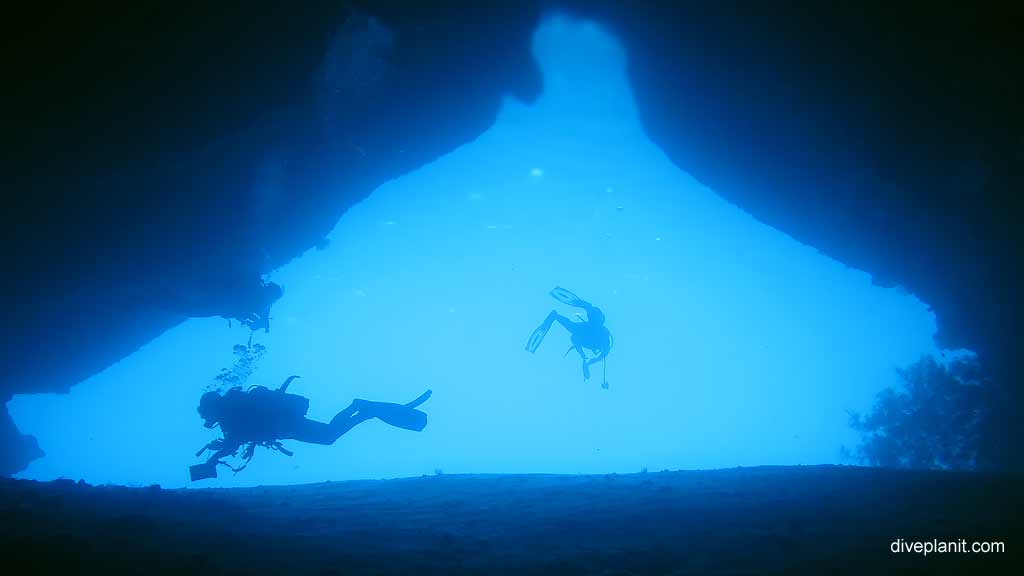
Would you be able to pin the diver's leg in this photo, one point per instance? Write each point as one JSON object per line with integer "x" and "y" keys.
{"x": 579, "y": 350}
{"x": 313, "y": 432}
{"x": 566, "y": 323}
{"x": 586, "y": 366}
{"x": 356, "y": 413}
{"x": 400, "y": 415}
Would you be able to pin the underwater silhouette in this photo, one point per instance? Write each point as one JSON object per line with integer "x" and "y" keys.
{"x": 255, "y": 312}
{"x": 230, "y": 295}
{"x": 589, "y": 335}
{"x": 264, "y": 417}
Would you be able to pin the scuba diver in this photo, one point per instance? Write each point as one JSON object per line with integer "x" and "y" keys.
{"x": 264, "y": 417}
{"x": 246, "y": 298}
{"x": 253, "y": 311}
{"x": 590, "y": 335}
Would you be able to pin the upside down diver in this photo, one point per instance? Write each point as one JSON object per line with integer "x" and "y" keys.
{"x": 590, "y": 335}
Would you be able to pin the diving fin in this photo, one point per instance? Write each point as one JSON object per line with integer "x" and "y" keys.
{"x": 400, "y": 416}
{"x": 566, "y": 297}
{"x": 537, "y": 337}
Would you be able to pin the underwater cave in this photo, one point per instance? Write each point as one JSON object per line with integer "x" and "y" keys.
{"x": 692, "y": 289}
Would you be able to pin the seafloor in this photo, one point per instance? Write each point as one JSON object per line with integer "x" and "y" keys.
{"x": 808, "y": 520}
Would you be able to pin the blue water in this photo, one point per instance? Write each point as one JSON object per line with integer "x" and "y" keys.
{"x": 734, "y": 344}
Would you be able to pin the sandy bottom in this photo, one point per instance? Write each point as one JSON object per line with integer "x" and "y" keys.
{"x": 813, "y": 520}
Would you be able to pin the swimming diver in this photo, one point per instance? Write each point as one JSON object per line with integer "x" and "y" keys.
{"x": 246, "y": 298}
{"x": 264, "y": 417}
{"x": 590, "y": 335}
{"x": 255, "y": 312}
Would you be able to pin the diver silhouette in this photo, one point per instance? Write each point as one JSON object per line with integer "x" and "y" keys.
{"x": 264, "y": 417}
{"x": 254, "y": 311}
{"x": 590, "y": 335}
{"x": 234, "y": 296}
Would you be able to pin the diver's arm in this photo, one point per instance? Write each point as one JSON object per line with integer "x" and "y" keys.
{"x": 604, "y": 352}
{"x": 601, "y": 356}
{"x": 227, "y": 448}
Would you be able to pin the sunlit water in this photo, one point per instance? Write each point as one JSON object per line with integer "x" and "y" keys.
{"x": 734, "y": 344}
